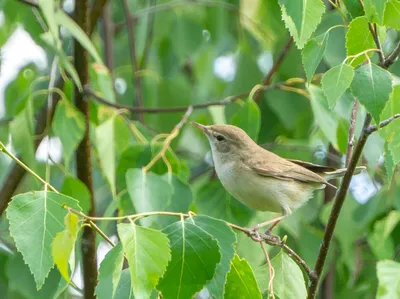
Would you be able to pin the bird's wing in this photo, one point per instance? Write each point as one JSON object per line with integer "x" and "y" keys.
{"x": 285, "y": 170}
{"x": 313, "y": 167}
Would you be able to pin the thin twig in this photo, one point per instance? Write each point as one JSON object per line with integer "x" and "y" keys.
{"x": 286, "y": 248}
{"x": 225, "y": 101}
{"x": 382, "y": 124}
{"x": 136, "y": 80}
{"x": 278, "y": 62}
{"x": 17, "y": 173}
{"x": 352, "y": 130}
{"x": 149, "y": 36}
{"x": 271, "y": 271}
{"x": 392, "y": 56}
{"x": 169, "y": 139}
{"x": 24, "y": 166}
{"x": 95, "y": 13}
{"x": 375, "y": 36}
{"x": 101, "y": 233}
{"x": 268, "y": 77}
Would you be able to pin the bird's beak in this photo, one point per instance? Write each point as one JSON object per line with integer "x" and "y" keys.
{"x": 200, "y": 126}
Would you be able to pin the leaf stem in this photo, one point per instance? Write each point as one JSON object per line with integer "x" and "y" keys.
{"x": 174, "y": 133}
{"x": 24, "y": 166}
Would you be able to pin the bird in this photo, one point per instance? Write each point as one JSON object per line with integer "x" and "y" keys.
{"x": 261, "y": 179}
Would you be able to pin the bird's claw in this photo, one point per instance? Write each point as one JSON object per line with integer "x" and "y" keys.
{"x": 269, "y": 238}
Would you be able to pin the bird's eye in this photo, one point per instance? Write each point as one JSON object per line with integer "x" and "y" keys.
{"x": 220, "y": 137}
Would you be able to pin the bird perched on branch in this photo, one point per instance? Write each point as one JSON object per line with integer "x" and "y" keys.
{"x": 260, "y": 179}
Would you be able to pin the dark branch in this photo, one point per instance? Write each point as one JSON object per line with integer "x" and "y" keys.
{"x": 375, "y": 36}
{"x": 337, "y": 206}
{"x": 392, "y": 56}
{"x": 83, "y": 153}
{"x": 226, "y": 101}
{"x": 17, "y": 173}
{"x": 95, "y": 14}
{"x": 275, "y": 67}
{"x": 136, "y": 81}
{"x": 382, "y": 124}
{"x": 149, "y": 36}
{"x": 352, "y": 129}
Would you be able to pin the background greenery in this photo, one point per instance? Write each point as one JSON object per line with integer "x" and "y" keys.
{"x": 315, "y": 58}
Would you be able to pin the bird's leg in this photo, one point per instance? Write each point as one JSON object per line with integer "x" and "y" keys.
{"x": 285, "y": 212}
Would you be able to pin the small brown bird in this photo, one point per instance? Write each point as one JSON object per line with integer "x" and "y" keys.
{"x": 260, "y": 179}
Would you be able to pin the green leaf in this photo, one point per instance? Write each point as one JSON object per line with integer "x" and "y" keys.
{"x": 64, "y": 20}
{"x": 226, "y": 241}
{"x": 359, "y": 39}
{"x": 342, "y": 132}
{"x": 35, "y": 219}
{"x": 180, "y": 201}
{"x": 148, "y": 191}
{"x": 240, "y": 282}
{"x": 302, "y": 18}
{"x": 391, "y": 221}
{"x": 48, "y": 9}
{"x": 21, "y": 129}
{"x": 194, "y": 257}
{"x": 64, "y": 244}
{"x": 312, "y": 54}
{"x": 336, "y": 81}
{"x": 383, "y": 248}
{"x": 246, "y": 115}
{"x": 124, "y": 290}
{"x": 388, "y": 273}
{"x": 391, "y": 16}
{"x": 69, "y": 125}
{"x": 354, "y": 8}
{"x": 213, "y": 200}
{"x": 148, "y": 253}
{"x": 102, "y": 82}
{"x": 110, "y": 273}
{"x": 324, "y": 118}
{"x": 63, "y": 59}
{"x": 21, "y": 281}
{"x": 74, "y": 188}
{"x": 372, "y": 86}
{"x": 374, "y": 10}
{"x": 288, "y": 280}
{"x": 105, "y": 143}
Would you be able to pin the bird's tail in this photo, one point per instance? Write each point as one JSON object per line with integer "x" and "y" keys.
{"x": 328, "y": 175}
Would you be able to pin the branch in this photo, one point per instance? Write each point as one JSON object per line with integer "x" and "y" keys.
{"x": 352, "y": 129}
{"x": 337, "y": 206}
{"x": 17, "y": 173}
{"x": 266, "y": 238}
{"x": 136, "y": 80}
{"x": 278, "y": 62}
{"x": 108, "y": 37}
{"x": 392, "y": 56}
{"x": 382, "y": 124}
{"x": 375, "y": 36}
{"x": 225, "y": 101}
{"x": 174, "y": 133}
{"x": 149, "y": 36}
{"x": 95, "y": 14}
{"x": 83, "y": 153}
{"x": 274, "y": 69}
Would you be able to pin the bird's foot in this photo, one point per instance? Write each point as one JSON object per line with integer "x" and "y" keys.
{"x": 267, "y": 237}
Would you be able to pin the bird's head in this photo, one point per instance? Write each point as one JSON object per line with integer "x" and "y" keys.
{"x": 225, "y": 139}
